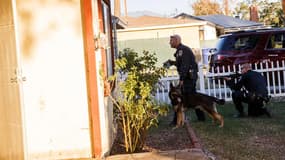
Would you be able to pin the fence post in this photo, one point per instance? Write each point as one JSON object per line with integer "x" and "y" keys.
{"x": 201, "y": 78}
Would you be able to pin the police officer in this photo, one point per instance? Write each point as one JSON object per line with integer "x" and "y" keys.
{"x": 254, "y": 93}
{"x": 187, "y": 69}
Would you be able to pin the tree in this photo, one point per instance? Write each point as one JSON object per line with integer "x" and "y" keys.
{"x": 242, "y": 10}
{"x": 283, "y": 6}
{"x": 206, "y": 7}
{"x": 270, "y": 13}
{"x": 227, "y": 7}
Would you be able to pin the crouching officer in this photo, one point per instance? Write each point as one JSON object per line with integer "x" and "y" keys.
{"x": 187, "y": 69}
{"x": 251, "y": 89}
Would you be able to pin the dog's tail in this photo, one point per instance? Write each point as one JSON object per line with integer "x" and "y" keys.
{"x": 220, "y": 101}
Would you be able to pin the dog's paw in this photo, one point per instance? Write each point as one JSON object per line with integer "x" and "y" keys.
{"x": 173, "y": 128}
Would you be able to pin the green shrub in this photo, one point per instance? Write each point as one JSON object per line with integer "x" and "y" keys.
{"x": 135, "y": 107}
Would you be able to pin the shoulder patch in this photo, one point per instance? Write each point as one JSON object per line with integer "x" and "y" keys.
{"x": 180, "y": 52}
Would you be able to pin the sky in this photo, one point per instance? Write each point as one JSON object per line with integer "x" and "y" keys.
{"x": 164, "y": 7}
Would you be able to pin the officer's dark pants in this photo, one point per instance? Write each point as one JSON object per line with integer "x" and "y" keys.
{"x": 255, "y": 106}
{"x": 189, "y": 87}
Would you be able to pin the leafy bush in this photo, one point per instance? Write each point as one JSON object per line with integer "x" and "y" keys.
{"x": 135, "y": 106}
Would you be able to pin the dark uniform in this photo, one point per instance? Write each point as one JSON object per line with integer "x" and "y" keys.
{"x": 187, "y": 69}
{"x": 255, "y": 93}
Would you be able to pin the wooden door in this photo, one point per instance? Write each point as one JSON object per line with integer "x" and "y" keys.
{"x": 11, "y": 128}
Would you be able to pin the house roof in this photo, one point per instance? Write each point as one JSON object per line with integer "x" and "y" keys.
{"x": 224, "y": 21}
{"x": 150, "y": 21}
{"x": 228, "y": 21}
{"x": 120, "y": 24}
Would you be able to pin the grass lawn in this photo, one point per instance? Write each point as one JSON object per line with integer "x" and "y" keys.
{"x": 247, "y": 138}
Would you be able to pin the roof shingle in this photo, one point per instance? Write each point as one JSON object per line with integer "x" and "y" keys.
{"x": 228, "y": 22}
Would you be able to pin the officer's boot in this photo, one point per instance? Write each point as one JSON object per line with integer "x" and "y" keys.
{"x": 200, "y": 115}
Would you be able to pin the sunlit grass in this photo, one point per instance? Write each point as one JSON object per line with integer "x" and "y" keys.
{"x": 244, "y": 138}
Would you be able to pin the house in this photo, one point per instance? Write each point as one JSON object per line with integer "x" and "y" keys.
{"x": 152, "y": 34}
{"x": 225, "y": 24}
{"x": 199, "y": 32}
{"x": 55, "y": 57}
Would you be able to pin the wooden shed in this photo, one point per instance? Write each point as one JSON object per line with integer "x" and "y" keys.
{"x": 55, "y": 56}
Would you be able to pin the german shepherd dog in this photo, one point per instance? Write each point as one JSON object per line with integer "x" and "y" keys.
{"x": 197, "y": 100}
{"x": 179, "y": 108}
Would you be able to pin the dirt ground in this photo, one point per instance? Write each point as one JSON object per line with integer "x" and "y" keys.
{"x": 162, "y": 138}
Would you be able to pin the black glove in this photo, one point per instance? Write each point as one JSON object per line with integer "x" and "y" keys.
{"x": 168, "y": 63}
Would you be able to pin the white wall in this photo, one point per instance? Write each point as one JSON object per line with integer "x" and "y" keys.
{"x": 210, "y": 32}
{"x": 11, "y": 126}
{"x": 105, "y": 105}
{"x": 189, "y": 34}
{"x": 55, "y": 93}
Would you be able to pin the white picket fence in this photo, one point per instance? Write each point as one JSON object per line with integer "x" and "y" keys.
{"x": 208, "y": 84}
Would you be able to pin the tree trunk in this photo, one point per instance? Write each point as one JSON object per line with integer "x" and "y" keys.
{"x": 226, "y": 5}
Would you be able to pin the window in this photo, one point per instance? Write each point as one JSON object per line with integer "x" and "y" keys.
{"x": 103, "y": 33}
{"x": 276, "y": 41}
{"x": 107, "y": 32}
{"x": 237, "y": 43}
{"x": 245, "y": 42}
